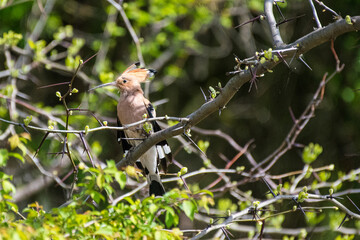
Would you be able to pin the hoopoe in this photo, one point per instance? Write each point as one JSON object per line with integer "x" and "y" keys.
{"x": 133, "y": 107}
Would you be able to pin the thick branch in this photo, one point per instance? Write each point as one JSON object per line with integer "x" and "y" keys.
{"x": 325, "y": 34}
{"x": 304, "y": 44}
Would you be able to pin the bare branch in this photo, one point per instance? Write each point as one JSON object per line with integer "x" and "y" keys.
{"x": 98, "y": 128}
{"x": 327, "y": 8}
{"x": 305, "y": 44}
{"x": 44, "y": 180}
{"x": 275, "y": 33}
{"x": 130, "y": 29}
{"x": 174, "y": 179}
{"x": 296, "y": 129}
{"x": 281, "y": 231}
{"x": 135, "y": 39}
{"x": 315, "y": 14}
{"x": 234, "y": 217}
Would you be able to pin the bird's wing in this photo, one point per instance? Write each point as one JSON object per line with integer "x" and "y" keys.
{"x": 162, "y": 147}
{"x": 121, "y": 138}
{"x": 126, "y": 146}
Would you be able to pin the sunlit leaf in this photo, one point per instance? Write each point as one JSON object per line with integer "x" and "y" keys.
{"x": 14, "y": 141}
{"x": 189, "y": 208}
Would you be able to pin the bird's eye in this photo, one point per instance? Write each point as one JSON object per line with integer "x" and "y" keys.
{"x": 124, "y": 81}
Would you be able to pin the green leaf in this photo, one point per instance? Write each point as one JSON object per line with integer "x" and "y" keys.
{"x": 160, "y": 235}
{"x": 77, "y": 44}
{"x": 10, "y": 38}
{"x": 203, "y": 145}
{"x": 110, "y": 164}
{"x": 120, "y": 177}
{"x": 18, "y": 156}
{"x": 115, "y": 30}
{"x": 12, "y": 206}
{"x": 8, "y": 186}
{"x": 262, "y": 60}
{"x": 348, "y": 94}
{"x": 225, "y": 204}
{"x": 104, "y": 230}
{"x": 205, "y": 201}
{"x": 27, "y": 120}
{"x": 348, "y": 20}
{"x": 153, "y": 208}
{"x": 189, "y": 208}
{"x": 4, "y": 156}
{"x": 69, "y": 61}
{"x": 106, "y": 77}
{"x": 147, "y": 127}
{"x": 22, "y": 147}
{"x": 183, "y": 171}
{"x": 60, "y": 34}
{"x": 311, "y": 152}
{"x": 129, "y": 200}
{"x": 169, "y": 219}
{"x": 314, "y": 218}
{"x": 100, "y": 180}
{"x": 97, "y": 196}
{"x": 302, "y": 196}
{"x": 14, "y": 141}
{"x": 268, "y": 54}
{"x": 96, "y": 147}
{"x": 324, "y": 175}
{"x": 31, "y": 44}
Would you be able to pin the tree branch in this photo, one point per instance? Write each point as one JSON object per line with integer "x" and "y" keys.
{"x": 316, "y": 17}
{"x": 235, "y": 216}
{"x": 275, "y": 33}
{"x": 303, "y": 45}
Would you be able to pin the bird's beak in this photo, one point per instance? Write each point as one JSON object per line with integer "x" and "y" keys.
{"x": 103, "y": 85}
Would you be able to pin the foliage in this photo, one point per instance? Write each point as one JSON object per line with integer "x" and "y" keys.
{"x": 128, "y": 219}
{"x": 80, "y": 219}
{"x": 311, "y": 152}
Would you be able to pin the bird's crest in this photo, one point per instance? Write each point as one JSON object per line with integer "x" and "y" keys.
{"x": 132, "y": 76}
{"x": 135, "y": 74}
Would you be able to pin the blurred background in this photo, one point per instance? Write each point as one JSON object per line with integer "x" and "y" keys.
{"x": 192, "y": 45}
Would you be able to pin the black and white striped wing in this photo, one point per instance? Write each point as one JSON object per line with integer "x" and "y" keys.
{"x": 121, "y": 138}
{"x": 126, "y": 146}
{"x": 163, "y": 149}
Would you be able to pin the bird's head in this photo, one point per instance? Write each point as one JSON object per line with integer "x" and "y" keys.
{"x": 133, "y": 76}
{"x": 130, "y": 78}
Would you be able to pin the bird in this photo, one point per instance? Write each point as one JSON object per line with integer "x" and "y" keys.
{"x": 132, "y": 107}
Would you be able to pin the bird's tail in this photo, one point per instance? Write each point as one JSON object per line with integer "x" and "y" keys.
{"x": 155, "y": 185}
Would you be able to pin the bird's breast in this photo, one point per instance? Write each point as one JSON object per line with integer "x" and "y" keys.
{"x": 131, "y": 109}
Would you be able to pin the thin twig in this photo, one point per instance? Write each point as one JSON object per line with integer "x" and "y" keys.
{"x": 315, "y": 14}
{"x": 327, "y": 8}
{"x": 135, "y": 39}
{"x": 297, "y": 128}
{"x": 229, "y": 164}
{"x": 124, "y": 127}
{"x": 234, "y": 217}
